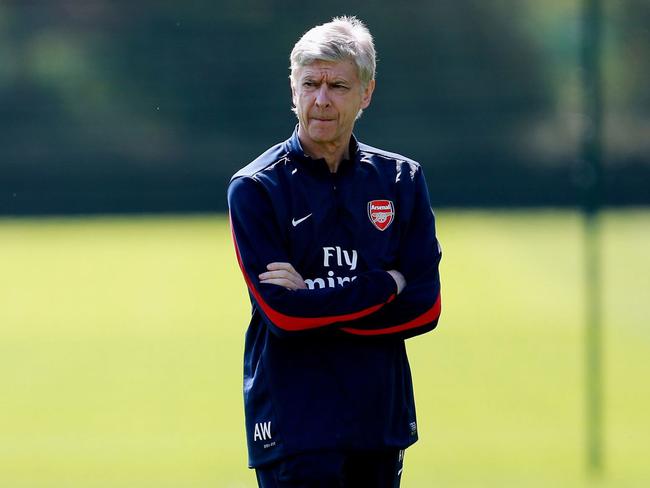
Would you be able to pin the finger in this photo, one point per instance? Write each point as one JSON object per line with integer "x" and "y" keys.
{"x": 275, "y": 274}
{"x": 282, "y": 267}
{"x": 279, "y": 265}
{"x": 295, "y": 278}
{"x": 280, "y": 282}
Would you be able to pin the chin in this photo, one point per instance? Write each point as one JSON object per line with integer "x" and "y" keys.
{"x": 318, "y": 135}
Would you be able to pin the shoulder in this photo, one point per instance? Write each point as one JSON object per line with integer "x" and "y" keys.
{"x": 268, "y": 160}
{"x": 258, "y": 182}
{"x": 260, "y": 175}
{"x": 388, "y": 161}
{"x": 382, "y": 154}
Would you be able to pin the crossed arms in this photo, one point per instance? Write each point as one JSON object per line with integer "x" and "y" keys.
{"x": 378, "y": 302}
{"x": 284, "y": 274}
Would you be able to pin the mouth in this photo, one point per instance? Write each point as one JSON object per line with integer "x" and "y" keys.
{"x": 323, "y": 117}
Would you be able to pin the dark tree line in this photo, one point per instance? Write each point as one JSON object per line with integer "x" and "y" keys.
{"x": 111, "y": 106}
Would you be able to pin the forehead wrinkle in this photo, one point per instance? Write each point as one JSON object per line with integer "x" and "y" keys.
{"x": 326, "y": 77}
{"x": 328, "y": 70}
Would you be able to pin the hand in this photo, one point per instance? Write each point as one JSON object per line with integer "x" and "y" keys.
{"x": 399, "y": 279}
{"x": 283, "y": 274}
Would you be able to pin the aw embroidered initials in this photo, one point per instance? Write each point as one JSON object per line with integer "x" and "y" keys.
{"x": 262, "y": 431}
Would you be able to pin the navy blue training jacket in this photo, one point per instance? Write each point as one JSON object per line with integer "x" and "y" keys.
{"x": 326, "y": 367}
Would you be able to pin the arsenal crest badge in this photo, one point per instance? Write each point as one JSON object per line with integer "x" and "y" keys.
{"x": 381, "y": 213}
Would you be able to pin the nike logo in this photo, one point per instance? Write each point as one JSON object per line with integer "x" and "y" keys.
{"x": 295, "y": 222}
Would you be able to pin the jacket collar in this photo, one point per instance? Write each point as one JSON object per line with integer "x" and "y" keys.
{"x": 297, "y": 154}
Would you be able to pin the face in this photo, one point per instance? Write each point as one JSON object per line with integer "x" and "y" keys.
{"x": 328, "y": 96}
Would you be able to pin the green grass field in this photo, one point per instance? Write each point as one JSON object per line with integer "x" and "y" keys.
{"x": 121, "y": 344}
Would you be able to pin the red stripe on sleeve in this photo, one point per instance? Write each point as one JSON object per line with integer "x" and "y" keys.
{"x": 292, "y": 323}
{"x": 429, "y": 316}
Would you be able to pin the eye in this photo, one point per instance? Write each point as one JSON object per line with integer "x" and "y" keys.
{"x": 308, "y": 84}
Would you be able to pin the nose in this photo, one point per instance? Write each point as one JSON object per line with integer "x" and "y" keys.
{"x": 322, "y": 96}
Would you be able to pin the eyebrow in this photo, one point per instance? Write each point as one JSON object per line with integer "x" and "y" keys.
{"x": 312, "y": 77}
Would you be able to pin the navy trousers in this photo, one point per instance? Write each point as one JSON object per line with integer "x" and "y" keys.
{"x": 334, "y": 469}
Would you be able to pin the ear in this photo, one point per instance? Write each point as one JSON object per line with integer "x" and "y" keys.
{"x": 293, "y": 93}
{"x": 366, "y": 96}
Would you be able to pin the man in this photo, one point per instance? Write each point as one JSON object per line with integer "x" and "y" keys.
{"x": 337, "y": 245}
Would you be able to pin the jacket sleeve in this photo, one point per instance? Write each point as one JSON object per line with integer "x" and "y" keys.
{"x": 259, "y": 240}
{"x": 416, "y": 310}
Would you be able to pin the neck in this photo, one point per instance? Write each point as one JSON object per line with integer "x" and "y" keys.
{"x": 332, "y": 152}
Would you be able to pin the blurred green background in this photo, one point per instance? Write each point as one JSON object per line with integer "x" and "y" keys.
{"x": 122, "y": 340}
{"x": 122, "y": 310}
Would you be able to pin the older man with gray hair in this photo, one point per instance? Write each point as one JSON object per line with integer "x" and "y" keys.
{"x": 337, "y": 245}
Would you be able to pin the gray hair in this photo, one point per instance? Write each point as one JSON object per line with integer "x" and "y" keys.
{"x": 342, "y": 38}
